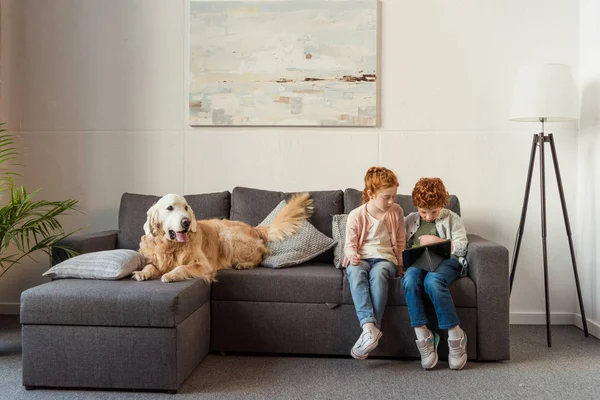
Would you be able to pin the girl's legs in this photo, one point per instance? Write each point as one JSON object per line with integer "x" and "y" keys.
{"x": 358, "y": 278}
{"x": 368, "y": 286}
{"x": 381, "y": 273}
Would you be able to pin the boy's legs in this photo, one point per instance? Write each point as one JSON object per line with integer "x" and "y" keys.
{"x": 427, "y": 341}
{"x": 436, "y": 285}
{"x": 412, "y": 284}
{"x": 381, "y": 272}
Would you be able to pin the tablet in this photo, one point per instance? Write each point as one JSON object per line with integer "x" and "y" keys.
{"x": 427, "y": 257}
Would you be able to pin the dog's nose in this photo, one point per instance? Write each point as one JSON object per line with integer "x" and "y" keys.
{"x": 185, "y": 223}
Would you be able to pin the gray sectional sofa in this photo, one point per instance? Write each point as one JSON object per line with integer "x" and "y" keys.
{"x": 151, "y": 335}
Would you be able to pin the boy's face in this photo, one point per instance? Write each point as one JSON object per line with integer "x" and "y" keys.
{"x": 384, "y": 198}
{"x": 429, "y": 214}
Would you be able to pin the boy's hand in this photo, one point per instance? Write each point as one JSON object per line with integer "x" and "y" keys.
{"x": 429, "y": 239}
{"x": 355, "y": 259}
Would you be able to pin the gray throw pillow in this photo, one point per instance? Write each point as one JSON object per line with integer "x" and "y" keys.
{"x": 108, "y": 264}
{"x": 338, "y": 228}
{"x": 305, "y": 245}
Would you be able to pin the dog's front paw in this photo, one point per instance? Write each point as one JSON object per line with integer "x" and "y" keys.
{"x": 138, "y": 276}
{"x": 141, "y": 276}
{"x": 166, "y": 278}
{"x": 172, "y": 276}
{"x": 176, "y": 275}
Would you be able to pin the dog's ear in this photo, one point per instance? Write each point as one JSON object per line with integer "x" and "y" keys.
{"x": 152, "y": 225}
{"x": 193, "y": 224}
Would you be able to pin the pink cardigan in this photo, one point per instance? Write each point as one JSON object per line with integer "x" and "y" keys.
{"x": 358, "y": 226}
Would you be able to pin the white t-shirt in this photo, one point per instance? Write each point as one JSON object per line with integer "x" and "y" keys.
{"x": 377, "y": 243}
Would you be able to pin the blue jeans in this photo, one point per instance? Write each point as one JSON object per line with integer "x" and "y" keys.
{"x": 369, "y": 288}
{"x": 435, "y": 285}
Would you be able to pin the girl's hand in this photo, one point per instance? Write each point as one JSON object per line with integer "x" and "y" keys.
{"x": 355, "y": 259}
{"x": 429, "y": 239}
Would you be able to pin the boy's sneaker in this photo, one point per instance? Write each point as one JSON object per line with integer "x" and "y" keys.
{"x": 367, "y": 341}
{"x": 457, "y": 352}
{"x": 428, "y": 349}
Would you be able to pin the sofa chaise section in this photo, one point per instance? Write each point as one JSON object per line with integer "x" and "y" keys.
{"x": 114, "y": 334}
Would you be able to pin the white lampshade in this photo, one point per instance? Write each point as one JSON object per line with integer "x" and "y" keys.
{"x": 545, "y": 91}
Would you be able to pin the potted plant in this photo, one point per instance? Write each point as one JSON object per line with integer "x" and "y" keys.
{"x": 26, "y": 225}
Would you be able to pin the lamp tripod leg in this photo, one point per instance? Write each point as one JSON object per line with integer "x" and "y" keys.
{"x": 568, "y": 228}
{"x": 517, "y": 247}
{"x": 544, "y": 244}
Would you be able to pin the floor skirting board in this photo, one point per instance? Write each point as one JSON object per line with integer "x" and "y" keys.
{"x": 539, "y": 318}
{"x": 10, "y": 308}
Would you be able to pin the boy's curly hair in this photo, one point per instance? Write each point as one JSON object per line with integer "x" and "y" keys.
{"x": 430, "y": 193}
{"x": 376, "y": 179}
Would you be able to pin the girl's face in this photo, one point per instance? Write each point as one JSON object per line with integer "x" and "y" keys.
{"x": 384, "y": 198}
{"x": 429, "y": 214}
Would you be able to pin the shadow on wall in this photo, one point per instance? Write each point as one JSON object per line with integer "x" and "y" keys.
{"x": 588, "y": 194}
{"x": 590, "y": 106}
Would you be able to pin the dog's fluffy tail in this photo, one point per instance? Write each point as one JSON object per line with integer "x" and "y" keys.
{"x": 287, "y": 222}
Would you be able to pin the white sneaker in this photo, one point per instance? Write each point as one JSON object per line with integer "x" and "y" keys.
{"x": 457, "y": 352}
{"x": 367, "y": 341}
{"x": 428, "y": 349}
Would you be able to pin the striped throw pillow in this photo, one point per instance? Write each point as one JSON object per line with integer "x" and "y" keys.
{"x": 305, "y": 245}
{"x": 108, "y": 264}
{"x": 338, "y": 228}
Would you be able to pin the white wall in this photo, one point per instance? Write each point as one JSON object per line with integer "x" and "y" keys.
{"x": 587, "y": 231}
{"x": 101, "y": 106}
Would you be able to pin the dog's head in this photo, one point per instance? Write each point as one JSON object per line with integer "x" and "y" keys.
{"x": 170, "y": 217}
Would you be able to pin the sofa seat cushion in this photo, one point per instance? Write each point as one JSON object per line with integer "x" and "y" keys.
{"x": 113, "y": 303}
{"x": 311, "y": 282}
{"x": 462, "y": 290}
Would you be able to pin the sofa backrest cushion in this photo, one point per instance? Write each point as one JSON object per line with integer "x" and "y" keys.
{"x": 253, "y": 205}
{"x": 352, "y": 199}
{"x": 132, "y": 213}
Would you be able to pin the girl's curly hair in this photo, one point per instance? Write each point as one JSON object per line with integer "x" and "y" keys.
{"x": 430, "y": 193}
{"x": 376, "y": 179}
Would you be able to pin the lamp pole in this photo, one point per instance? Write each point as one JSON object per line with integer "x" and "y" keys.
{"x": 538, "y": 141}
{"x": 544, "y": 243}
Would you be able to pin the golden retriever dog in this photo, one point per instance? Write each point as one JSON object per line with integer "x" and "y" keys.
{"x": 178, "y": 247}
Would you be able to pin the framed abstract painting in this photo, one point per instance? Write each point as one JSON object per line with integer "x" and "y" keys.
{"x": 285, "y": 63}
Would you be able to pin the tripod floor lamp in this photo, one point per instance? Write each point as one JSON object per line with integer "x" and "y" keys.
{"x": 545, "y": 93}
